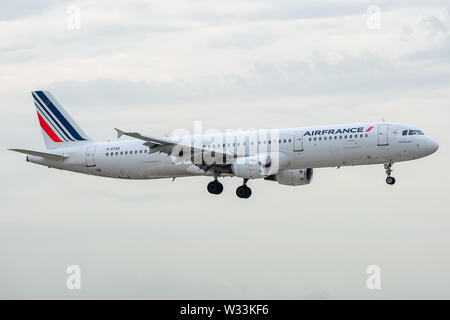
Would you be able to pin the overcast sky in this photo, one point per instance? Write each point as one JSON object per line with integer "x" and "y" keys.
{"x": 158, "y": 66}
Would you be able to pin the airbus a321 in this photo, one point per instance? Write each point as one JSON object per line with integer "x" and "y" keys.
{"x": 286, "y": 156}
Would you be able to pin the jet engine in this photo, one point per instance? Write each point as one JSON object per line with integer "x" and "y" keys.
{"x": 260, "y": 166}
{"x": 252, "y": 167}
{"x": 294, "y": 177}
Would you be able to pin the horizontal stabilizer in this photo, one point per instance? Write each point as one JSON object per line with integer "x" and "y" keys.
{"x": 47, "y": 155}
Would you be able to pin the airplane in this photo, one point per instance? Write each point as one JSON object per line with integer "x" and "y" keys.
{"x": 287, "y": 156}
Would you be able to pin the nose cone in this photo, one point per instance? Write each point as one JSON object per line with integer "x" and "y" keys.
{"x": 432, "y": 145}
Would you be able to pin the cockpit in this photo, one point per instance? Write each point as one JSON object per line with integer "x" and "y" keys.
{"x": 412, "y": 133}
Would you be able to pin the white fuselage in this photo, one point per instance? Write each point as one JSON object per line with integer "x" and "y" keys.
{"x": 306, "y": 147}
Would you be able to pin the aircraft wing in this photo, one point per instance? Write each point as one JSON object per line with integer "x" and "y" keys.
{"x": 47, "y": 155}
{"x": 176, "y": 149}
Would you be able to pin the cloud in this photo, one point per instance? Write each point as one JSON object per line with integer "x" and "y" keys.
{"x": 12, "y": 10}
{"x": 361, "y": 75}
{"x": 158, "y": 65}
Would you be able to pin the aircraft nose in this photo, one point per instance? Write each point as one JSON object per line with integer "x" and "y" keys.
{"x": 432, "y": 145}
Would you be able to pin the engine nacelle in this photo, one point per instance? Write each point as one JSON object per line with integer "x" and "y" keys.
{"x": 252, "y": 167}
{"x": 295, "y": 177}
{"x": 260, "y": 166}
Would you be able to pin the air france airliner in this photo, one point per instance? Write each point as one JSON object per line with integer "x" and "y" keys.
{"x": 287, "y": 156}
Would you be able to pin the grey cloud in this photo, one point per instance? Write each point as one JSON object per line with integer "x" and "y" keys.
{"x": 12, "y": 9}
{"x": 365, "y": 74}
{"x": 163, "y": 239}
{"x": 435, "y": 23}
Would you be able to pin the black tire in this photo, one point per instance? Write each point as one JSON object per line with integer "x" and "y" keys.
{"x": 215, "y": 187}
{"x": 248, "y": 192}
{"x": 390, "y": 180}
{"x": 243, "y": 192}
{"x": 219, "y": 188}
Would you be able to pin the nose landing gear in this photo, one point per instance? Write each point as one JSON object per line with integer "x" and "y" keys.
{"x": 389, "y": 180}
{"x": 244, "y": 192}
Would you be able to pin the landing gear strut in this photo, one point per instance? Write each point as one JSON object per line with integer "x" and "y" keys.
{"x": 243, "y": 191}
{"x": 389, "y": 180}
{"x": 215, "y": 187}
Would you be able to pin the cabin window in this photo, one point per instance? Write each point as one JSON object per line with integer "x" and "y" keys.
{"x": 290, "y": 140}
{"x": 107, "y": 154}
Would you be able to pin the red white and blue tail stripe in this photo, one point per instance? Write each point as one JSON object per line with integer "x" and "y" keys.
{"x": 57, "y": 125}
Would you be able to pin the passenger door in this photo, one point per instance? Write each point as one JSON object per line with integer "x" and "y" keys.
{"x": 383, "y": 135}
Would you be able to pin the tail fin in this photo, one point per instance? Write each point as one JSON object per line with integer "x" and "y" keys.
{"x": 58, "y": 127}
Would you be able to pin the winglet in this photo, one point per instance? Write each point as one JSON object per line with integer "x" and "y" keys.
{"x": 119, "y": 133}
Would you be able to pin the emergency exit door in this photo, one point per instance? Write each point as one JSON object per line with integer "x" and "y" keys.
{"x": 298, "y": 141}
{"x": 90, "y": 156}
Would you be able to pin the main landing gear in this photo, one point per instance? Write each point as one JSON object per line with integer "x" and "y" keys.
{"x": 243, "y": 191}
{"x": 215, "y": 187}
{"x": 389, "y": 180}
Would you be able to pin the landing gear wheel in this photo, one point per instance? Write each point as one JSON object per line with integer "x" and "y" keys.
{"x": 390, "y": 180}
{"x": 215, "y": 187}
{"x": 243, "y": 192}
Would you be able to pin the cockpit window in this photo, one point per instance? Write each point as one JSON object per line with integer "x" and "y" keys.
{"x": 413, "y": 132}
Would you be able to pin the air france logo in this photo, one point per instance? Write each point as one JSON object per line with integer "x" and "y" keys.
{"x": 336, "y": 131}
